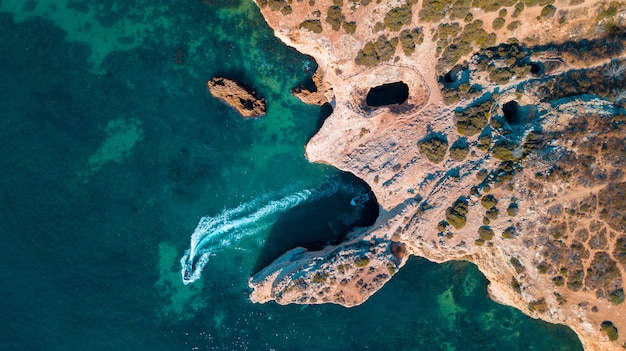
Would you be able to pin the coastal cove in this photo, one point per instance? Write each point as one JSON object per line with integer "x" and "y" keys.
{"x": 113, "y": 150}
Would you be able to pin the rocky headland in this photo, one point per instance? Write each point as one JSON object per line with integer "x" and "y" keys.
{"x": 509, "y": 150}
{"x": 237, "y": 96}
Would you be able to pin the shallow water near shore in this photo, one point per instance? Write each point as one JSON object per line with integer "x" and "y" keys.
{"x": 112, "y": 151}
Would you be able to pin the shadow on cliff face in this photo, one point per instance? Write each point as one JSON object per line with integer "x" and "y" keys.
{"x": 320, "y": 222}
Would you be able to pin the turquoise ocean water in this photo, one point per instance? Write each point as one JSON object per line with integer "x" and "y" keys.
{"x": 112, "y": 151}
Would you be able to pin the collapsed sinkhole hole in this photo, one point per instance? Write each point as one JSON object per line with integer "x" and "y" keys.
{"x": 449, "y": 77}
{"x": 536, "y": 68}
{"x": 388, "y": 94}
{"x": 515, "y": 114}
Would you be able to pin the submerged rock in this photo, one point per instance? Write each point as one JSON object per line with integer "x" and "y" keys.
{"x": 237, "y": 96}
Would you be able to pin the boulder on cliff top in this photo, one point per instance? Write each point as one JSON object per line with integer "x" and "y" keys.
{"x": 237, "y": 96}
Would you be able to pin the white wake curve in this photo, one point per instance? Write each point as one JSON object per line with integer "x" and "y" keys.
{"x": 231, "y": 225}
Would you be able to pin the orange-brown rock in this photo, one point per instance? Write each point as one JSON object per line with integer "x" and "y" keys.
{"x": 316, "y": 97}
{"x": 237, "y": 96}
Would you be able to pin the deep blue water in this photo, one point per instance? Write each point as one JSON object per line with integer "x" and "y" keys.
{"x": 112, "y": 151}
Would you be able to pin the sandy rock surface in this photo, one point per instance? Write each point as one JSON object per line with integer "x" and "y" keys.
{"x": 510, "y": 155}
{"x": 237, "y": 96}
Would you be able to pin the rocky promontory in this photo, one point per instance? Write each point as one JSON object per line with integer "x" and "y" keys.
{"x": 508, "y": 150}
{"x": 237, "y": 96}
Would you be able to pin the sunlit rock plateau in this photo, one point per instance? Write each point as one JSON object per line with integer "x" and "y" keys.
{"x": 509, "y": 150}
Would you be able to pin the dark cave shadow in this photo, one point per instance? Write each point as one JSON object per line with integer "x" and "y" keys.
{"x": 321, "y": 222}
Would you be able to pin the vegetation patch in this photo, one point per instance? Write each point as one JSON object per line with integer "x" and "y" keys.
{"x": 349, "y": 27}
{"x": 459, "y": 150}
{"x": 456, "y": 214}
{"x": 362, "y": 262}
{"x": 314, "y": 26}
{"x": 488, "y": 201}
{"x": 517, "y": 265}
{"x": 513, "y": 209}
{"x": 398, "y": 17}
{"x": 548, "y": 11}
{"x": 374, "y": 52}
{"x": 334, "y": 17}
{"x": 498, "y": 23}
{"x": 485, "y": 233}
{"x": 609, "y": 329}
{"x": 617, "y": 296}
{"x": 410, "y": 38}
{"x": 508, "y": 233}
{"x": 434, "y": 147}
{"x": 473, "y": 119}
{"x": 492, "y": 213}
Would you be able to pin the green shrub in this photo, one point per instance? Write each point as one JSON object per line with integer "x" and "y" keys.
{"x": 513, "y": 25}
{"x": 484, "y": 142}
{"x": 519, "y": 7}
{"x": 558, "y": 280}
{"x": 508, "y": 233}
{"x": 500, "y": 75}
{"x": 262, "y": 3}
{"x": 446, "y": 30}
{"x": 374, "y": 52}
{"x": 276, "y": 5}
{"x": 515, "y": 285}
{"x": 513, "y": 209}
{"x": 362, "y": 262}
{"x": 616, "y": 297}
{"x": 610, "y": 330}
{"x": 319, "y": 278}
{"x": 442, "y": 226}
{"x": 314, "y": 26}
{"x": 459, "y": 150}
{"x": 473, "y": 119}
{"x": 410, "y": 38}
{"x": 548, "y": 11}
{"x": 349, "y": 27}
{"x": 482, "y": 175}
{"x": 488, "y": 201}
{"x": 398, "y": 17}
{"x": 286, "y": 10}
{"x": 456, "y": 214}
{"x": 492, "y": 213}
{"x": 434, "y": 148}
{"x": 498, "y": 23}
{"x": 485, "y": 233}
{"x": 517, "y": 265}
{"x": 505, "y": 150}
{"x": 334, "y": 17}
{"x": 502, "y": 13}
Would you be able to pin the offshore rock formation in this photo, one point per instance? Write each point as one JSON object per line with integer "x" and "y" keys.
{"x": 509, "y": 151}
{"x": 237, "y": 96}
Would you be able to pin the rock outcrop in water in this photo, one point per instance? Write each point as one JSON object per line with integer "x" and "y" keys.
{"x": 237, "y": 96}
{"x": 509, "y": 151}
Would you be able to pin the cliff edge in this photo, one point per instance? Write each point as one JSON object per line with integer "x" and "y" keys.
{"x": 508, "y": 150}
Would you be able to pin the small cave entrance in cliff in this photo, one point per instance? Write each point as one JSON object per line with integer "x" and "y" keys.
{"x": 515, "y": 114}
{"x": 388, "y": 94}
{"x": 324, "y": 220}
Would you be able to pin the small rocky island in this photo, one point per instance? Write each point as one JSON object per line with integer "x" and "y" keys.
{"x": 237, "y": 96}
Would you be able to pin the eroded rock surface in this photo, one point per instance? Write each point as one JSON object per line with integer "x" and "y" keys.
{"x": 237, "y": 96}
{"x": 509, "y": 151}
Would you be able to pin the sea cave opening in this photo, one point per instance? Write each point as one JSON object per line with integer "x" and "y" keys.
{"x": 322, "y": 221}
{"x": 388, "y": 94}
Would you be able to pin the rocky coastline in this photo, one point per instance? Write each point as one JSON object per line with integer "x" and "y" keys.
{"x": 508, "y": 152}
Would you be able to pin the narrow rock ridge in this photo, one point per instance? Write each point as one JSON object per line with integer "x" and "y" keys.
{"x": 237, "y": 96}
{"x": 510, "y": 156}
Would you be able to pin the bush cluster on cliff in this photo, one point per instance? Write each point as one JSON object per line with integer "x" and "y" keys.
{"x": 398, "y": 17}
{"x": 473, "y": 119}
{"x": 456, "y": 214}
{"x": 374, "y": 52}
{"x": 434, "y": 147}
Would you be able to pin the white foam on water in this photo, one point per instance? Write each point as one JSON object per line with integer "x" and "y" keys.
{"x": 214, "y": 233}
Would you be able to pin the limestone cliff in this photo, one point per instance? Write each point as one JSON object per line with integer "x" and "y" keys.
{"x": 509, "y": 151}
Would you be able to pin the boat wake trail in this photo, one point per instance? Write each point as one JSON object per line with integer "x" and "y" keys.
{"x": 216, "y": 232}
